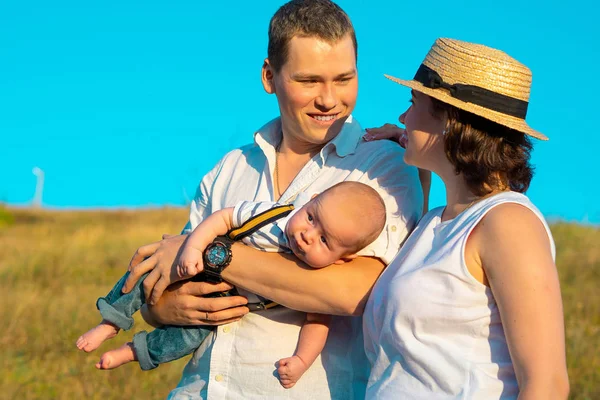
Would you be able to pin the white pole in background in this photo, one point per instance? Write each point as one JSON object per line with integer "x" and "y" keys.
{"x": 39, "y": 187}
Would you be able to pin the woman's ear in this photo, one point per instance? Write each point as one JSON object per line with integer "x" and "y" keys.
{"x": 267, "y": 77}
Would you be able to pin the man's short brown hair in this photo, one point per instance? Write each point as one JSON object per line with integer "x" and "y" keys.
{"x": 322, "y": 19}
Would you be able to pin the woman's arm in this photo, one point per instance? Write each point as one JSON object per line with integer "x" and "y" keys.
{"x": 515, "y": 253}
{"x": 337, "y": 289}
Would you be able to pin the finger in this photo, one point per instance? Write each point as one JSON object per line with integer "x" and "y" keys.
{"x": 158, "y": 290}
{"x": 224, "y": 315}
{"x": 149, "y": 283}
{"x": 219, "y": 317}
{"x": 218, "y": 304}
{"x": 136, "y": 273}
{"x": 142, "y": 253}
{"x": 200, "y": 320}
{"x": 203, "y": 288}
{"x": 379, "y": 133}
{"x": 403, "y": 139}
{"x": 168, "y": 236}
{"x": 190, "y": 268}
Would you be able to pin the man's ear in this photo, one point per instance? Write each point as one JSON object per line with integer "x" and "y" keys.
{"x": 345, "y": 259}
{"x": 267, "y": 77}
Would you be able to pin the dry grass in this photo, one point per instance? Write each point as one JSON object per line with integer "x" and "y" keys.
{"x": 53, "y": 265}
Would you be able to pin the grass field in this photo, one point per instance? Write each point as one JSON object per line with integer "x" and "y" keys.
{"x": 53, "y": 266}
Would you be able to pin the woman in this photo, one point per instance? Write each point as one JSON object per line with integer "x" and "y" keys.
{"x": 471, "y": 306}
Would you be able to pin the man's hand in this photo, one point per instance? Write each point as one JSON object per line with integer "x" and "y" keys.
{"x": 182, "y": 304}
{"x": 159, "y": 259}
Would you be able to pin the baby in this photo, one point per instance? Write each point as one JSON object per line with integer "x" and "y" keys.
{"x": 330, "y": 229}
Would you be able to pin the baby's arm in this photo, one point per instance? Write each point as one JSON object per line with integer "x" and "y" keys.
{"x": 189, "y": 263}
{"x": 310, "y": 344}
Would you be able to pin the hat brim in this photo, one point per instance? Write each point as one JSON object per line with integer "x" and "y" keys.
{"x": 515, "y": 123}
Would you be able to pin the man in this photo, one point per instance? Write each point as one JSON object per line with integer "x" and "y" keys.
{"x": 314, "y": 144}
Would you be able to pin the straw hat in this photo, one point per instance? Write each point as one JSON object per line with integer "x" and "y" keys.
{"x": 478, "y": 79}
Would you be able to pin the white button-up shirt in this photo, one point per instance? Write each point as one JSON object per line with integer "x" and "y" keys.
{"x": 237, "y": 360}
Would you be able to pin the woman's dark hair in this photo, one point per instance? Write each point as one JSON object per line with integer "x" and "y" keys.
{"x": 490, "y": 156}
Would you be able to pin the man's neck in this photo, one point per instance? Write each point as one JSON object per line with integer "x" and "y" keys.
{"x": 294, "y": 150}
{"x": 291, "y": 157}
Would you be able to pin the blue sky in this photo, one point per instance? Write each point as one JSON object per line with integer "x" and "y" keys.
{"x": 129, "y": 103}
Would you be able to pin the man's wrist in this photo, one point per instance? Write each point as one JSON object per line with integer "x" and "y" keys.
{"x": 217, "y": 257}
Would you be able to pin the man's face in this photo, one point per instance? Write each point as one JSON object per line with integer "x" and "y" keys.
{"x": 316, "y": 88}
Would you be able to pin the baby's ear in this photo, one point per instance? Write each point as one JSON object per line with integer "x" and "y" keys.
{"x": 346, "y": 259}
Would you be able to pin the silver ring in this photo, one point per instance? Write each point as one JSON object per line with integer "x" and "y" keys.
{"x": 206, "y": 312}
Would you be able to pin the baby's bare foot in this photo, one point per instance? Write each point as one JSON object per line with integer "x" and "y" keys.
{"x": 290, "y": 370}
{"x": 93, "y": 338}
{"x": 115, "y": 358}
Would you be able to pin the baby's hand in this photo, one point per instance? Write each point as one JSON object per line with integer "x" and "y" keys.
{"x": 189, "y": 262}
{"x": 290, "y": 371}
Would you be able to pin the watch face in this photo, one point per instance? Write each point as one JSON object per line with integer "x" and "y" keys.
{"x": 217, "y": 254}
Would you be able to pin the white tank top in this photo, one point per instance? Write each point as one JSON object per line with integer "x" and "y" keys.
{"x": 431, "y": 330}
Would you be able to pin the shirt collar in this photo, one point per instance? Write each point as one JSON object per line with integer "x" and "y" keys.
{"x": 343, "y": 144}
{"x": 299, "y": 202}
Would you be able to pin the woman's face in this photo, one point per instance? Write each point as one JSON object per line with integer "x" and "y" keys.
{"x": 424, "y": 132}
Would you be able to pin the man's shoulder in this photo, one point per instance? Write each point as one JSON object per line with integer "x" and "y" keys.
{"x": 245, "y": 152}
{"x": 382, "y": 153}
{"x": 379, "y": 147}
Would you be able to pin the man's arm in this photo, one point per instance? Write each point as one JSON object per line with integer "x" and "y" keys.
{"x": 337, "y": 289}
{"x": 341, "y": 289}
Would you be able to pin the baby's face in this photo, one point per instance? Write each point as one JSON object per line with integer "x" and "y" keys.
{"x": 321, "y": 232}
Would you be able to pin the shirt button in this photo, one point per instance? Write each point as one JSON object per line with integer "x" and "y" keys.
{"x": 226, "y": 329}
{"x": 219, "y": 378}
{"x": 393, "y": 228}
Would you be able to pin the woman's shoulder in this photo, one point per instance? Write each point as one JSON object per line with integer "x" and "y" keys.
{"x": 513, "y": 217}
{"x": 505, "y": 207}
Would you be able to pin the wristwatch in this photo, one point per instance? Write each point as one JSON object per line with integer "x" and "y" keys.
{"x": 217, "y": 256}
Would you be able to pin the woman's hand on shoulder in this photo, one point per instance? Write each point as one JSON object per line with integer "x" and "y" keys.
{"x": 387, "y": 131}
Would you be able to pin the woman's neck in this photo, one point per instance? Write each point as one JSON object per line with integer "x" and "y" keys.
{"x": 458, "y": 195}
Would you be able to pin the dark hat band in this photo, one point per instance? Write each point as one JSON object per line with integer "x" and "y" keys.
{"x": 473, "y": 94}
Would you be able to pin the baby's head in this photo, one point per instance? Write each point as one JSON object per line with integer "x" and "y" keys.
{"x": 336, "y": 224}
